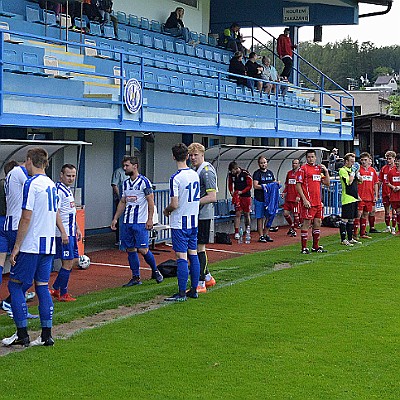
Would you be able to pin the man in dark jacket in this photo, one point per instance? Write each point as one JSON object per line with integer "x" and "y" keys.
{"x": 175, "y": 26}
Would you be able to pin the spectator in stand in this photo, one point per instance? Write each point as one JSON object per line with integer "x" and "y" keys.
{"x": 239, "y": 185}
{"x": 105, "y": 10}
{"x": 91, "y": 10}
{"x": 254, "y": 70}
{"x": 117, "y": 180}
{"x": 393, "y": 182}
{"x": 175, "y": 26}
{"x": 269, "y": 73}
{"x": 237, "y": 67}
{"x": 233, "y": 40}
{"x": 332, "y": 161}
{"x": 383, "y": 174}
{"x": 285, "y": 51}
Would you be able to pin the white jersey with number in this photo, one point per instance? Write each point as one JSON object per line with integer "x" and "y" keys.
{"x": 13, "y": 186}
{"x": 40, "y": 197}
{"x": 67, "y": 209}
{"x": 185, "y": 185}
{"x": 136, "y": 206}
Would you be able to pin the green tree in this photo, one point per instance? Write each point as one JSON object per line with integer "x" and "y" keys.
{"x": 394, "y": 107}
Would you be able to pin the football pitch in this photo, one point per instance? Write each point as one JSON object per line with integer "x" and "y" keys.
{"x": 278, "y": 325}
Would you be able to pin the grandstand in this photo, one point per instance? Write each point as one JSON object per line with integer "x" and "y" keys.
{"x": 66, "y": 79}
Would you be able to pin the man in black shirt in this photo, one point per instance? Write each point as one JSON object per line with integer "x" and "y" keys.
{"x": 175, "y": 26}
{"x": 254, "y": 70}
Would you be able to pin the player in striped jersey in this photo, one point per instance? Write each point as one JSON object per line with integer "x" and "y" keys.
{"x": 183, "y": 211}
{"x": 67, "y": 240}
{"x": 32, "y": 256}
{"x": 137, "y": 205}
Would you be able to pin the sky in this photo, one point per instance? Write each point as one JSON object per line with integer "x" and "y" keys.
{"x": 381, "y": 30}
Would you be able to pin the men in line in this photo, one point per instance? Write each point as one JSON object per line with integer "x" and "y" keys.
{"x": 292, "y": 199}
{"x": 183, "y": 211}
{"x": 71, "y": 234}
{"x": 308, "y": 185}
{"x": 393, "y": 182}
{"x": 137, "y": 205}
{"x": 262, "y": 176}
{"x": 208, "y": 196}
{"x": 349, "y": 178}
{"x": 32, "y": 256}
{"x": 239, "y": 186}
{"x": 383, "y": 173}
{"x": 368, "y": 191}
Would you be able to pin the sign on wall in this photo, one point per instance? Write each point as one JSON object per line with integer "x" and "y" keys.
{"x": 296, "y": 14}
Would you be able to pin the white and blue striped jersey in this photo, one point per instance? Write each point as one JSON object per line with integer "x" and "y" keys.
{"x": 67, "y": 209}
{"x": 13, "y": 186}
{"x": 40, "y": 197}
{"x": 185, "y": 185}
{"x": 135, "y": 192}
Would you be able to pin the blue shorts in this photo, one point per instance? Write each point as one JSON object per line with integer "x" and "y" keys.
{"x": 184, "y": 239}
{"x": 7, "y": 240}
{"x": 30, "y": 267}
{"x": 134, "y": 236}
{"x": 67, "y": 251}
{"x": 259, "y": 209}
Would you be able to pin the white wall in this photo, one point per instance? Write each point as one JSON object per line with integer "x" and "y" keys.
{"x": 195, "y": 19}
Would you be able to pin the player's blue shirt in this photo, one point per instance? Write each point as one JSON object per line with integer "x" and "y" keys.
{"x": 135, "y": 192}
{"x": 40, "y": 197}
{"x": 185, "y": 185}
{"x": 67, "y": 209}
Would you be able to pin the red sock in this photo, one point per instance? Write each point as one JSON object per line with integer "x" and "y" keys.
{"x": 394, "y": 219}
{"x": 398, "y": 221}
{"x": 236, "y": 230}
{"x": 363, "y": 226}
{"x": 289, "y": 220}
{"x": 296, "y": 220}
{"x": 371, "y": 220}
{"x": 356, "y": 226}
{"x": 387, "y": 219}
{"x": 316, "y": 235}
{"x": 304, "y": 237}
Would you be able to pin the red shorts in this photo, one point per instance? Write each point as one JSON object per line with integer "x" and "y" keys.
{"x": 291, "y": 206}
{"x": 386, "y": 201}
{"x": 311, "y": 213}
{"x": 395, "y": 205}
{"x": 243, "y": 204}
{"x": 366, "y": 206}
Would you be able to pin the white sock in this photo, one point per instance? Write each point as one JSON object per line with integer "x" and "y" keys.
{"x": 202, "y": 284}
{"x": 208, "y": 277}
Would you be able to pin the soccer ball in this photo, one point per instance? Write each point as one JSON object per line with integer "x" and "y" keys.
{"x": 84, "y": 262}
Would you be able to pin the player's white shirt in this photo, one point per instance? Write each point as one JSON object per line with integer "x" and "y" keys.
{"x": 67, "y": 209}
{"x": 135, "y": 192}
{"x": 185, "y": 185}
{"x": 40, "y": 197}
{"x": 13, "y": 185}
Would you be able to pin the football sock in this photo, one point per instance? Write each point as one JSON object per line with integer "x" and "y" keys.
{"x": 316, "y": 235}
{"x": 398, "y": 220}
{"x": 46, "y": 333}
{"x": 349, "y": 228}
{"x": 394, "y": 219}
{"x": 342, "y": 230}
{"x": 363, "y": 226}
{"x": 371, "y": 220}
{"x": 8, "y": 299}
{"x": 208, "y": 277}
{"x": 296, "y": 220}
{"x": 182, "y": 272}
{"x": 236, "y": 230}
{"x": 61, "y": 281}
{"x": 18, "y": 304}
{"x": 304, "y": 238}
{"x": 1, "y": 274}
{"x": 387, "y": 220}
{"x": 203, "y": 264}
{"x": 45, "y": 306}
{"x": 288, "y": 219}
{"x": 356, "y": 225}
{"x": 22, "y": 332}
{"x": 194, "y": 270}
{"x": 134, "y": 263}
{"x": 150, "y": 260}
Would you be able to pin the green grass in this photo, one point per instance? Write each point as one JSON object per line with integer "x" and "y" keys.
{"x": 328, "y": 328}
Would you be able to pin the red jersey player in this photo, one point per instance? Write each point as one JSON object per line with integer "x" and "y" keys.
{"x": 292, "y": 198}
{"x": 393, "y": 182}
{"x": 368, "y": 191}
{"x": 390, "y": 156}
{"x": 308, "y": 186}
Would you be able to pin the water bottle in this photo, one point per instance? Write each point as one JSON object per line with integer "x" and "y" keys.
{"x": 247, "y": 239}
{"x": 240, "y": 240}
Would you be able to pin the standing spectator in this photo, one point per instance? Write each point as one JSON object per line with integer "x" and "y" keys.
{"x": 91, "y": 10}
{"x": 32, "y": 256}
{"x": 254, "y": 70}
{"x": 308, "y": 186}
{"x": 208, "y": 196}
{"x": 183, "y": 211}
{"x": 332, "y": 161}
{"x": 383, "y": 174}
{"x": 393, "y": 182}
{"x": 269, "y": 73}
{"x": 175, "y": 26}
{"x": 262, "y": 176}
{"x": 285, "y": 51}
{"x": 66, "y": 240}
{"x": 368, "y": 191}
{"x": 137, "y": 205}
{"x": 232, "y": 39}
{"x": 239, "y": 185}
{"x": 117, "y": 180}
{"x": 349, "y": 178}
{"x": 237, "y": 67}
{"x": 105, "y": 10}
{"x": 292, "y": 199}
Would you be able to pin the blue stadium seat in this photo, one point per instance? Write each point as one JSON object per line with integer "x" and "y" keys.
{"x": 190, "y": 50}
{"x": 159, "y": 60}
{"x": 182, "y": 67}
{"x": 144, "y": 23}
{"x": 212, "y": 41}
{"x": 49, "y": 18}
{"x": 169, "y": 46}
{"x": 134, "y": 56}
{"x": 210, "y": 89}
{"x": 5, "y": 13}
{"x": 33, "y": 13}
{"x": 199, "y": 52}
{"x": 158, "y": 43}
{"x": 217, "y": 57}
{"x": 10, "y": 59}
{"x": 199, "y": 88}
{"x": 94, "y": 28}
{"x": 187, "y": 85}
{"x": 105, "y": 50}
{"x": 80, "y": 23}
{"x": 171, "y": 63}
{"x": 119, "y": 50}
{"x": 180, "y": 47}
{"x": 163, "y": 83}
{"x": 133, "y": 74}
{"x": 147, "y": 40}
{"x": 212, "y": 71}
{"x": 155, "y": 26}
{"x": 193, "y": 36}
{"x": 176, "y": 84}
{"x": 123, "y": 34}
{"x": 108, "y": 31}
{"x": 208, "y": 54}
{"x": 193, "y": 68}
{"x": 203, "y": 69}
{"x": 133, "y": 20}
{"x": 203, "y": 38}
{"x": 148, "y": 57}
{"x": 31, "y": 64}
{"x": 226, "y": 58}
{"x": 134, "y": 37}
{"x": 149, "y": 80}
{"x": 121, "y": 17}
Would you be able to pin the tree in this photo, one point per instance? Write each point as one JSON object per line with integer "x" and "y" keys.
{"x": 394, "y": 107}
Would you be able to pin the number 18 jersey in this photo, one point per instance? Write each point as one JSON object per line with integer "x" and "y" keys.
{"x": 185, "y": 185}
